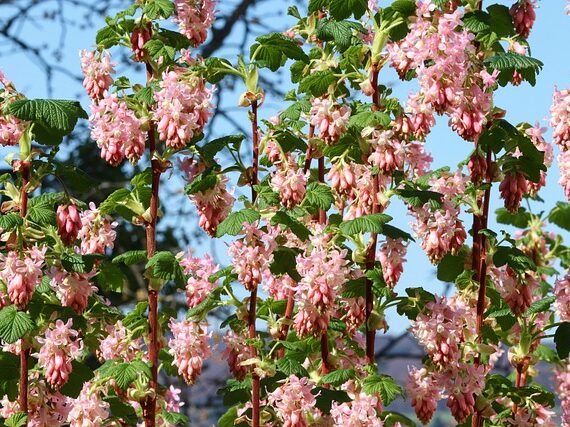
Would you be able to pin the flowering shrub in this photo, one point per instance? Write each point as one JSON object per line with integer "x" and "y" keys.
{"x": 313, "y": 248}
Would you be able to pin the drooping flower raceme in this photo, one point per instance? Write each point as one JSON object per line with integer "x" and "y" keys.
{"x": 97, "y": 232}
{"x": 523, "y": 14}
{"x": 564, "y": 166}
{"x": 198, "y": 270}
{"x": 60, "y": 345}
{"x": 293, "y": 402}
{"x": 11, "y": 130}
{"x": 183, "y": 107}
{"x": 117, "y": 130}
{"x": 97, "y": 69}
{"x": 236, "y": 352}
{"x": 560, "y": 118}
{"x": 330, "y": 118}
{"x": 562, "y": 384}
{"x": 194, "y": 18}
{"x": 424, "y": 391}
{"x": 88, "y": 409}
{"x": 290, "y": 182}
{"x": 68, "y": 222}
{"x": 361, "y": 411}
{"x": 391, "y": 257}
{"x": 22, "y": 273}
{"x": 72, "y": 289}
{"x": 118, "y": 344}
{"x": 189, "y": 346}
{"x": 562, "y": 294}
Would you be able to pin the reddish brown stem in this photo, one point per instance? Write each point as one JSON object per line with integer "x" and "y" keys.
{"x": 255, "y": 389}
{"x": 25, "y": 352}
{"x": 371, "y": 255}
{"x": 325, "y": 368}
{"x": 149, "y": 406}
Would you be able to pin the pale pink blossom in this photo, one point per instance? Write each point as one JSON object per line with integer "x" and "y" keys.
{"x": 88, "y": 409}
{"x": 172, "y": 399}
{"x": 562, "y": 294}
{"x": 118, "y": 344}
{"x": 189, "y": 346}
{"x": 418, "y": 159}
{"x": 391, "y": 256}
{"x": 236, "y": 352}
{"x": 60, "y": 345}
{"x": 330, "y": 118}
{"x": 293, "y": 402}
{"x": 116, "y": 130}
{"x": 72, "y": 289}
{"x": 361, "y": 411}
{"x": 22, "y": 273}
{"x": 517, "y": 290}
{"x": 11, "y": 130}
{"x": 290, "y": 183}
{"x": 97, "y": 69}
{"x": 387, "y": 152}
{"x": 420, "y": 116}
{"x": 68, "y": 222}
{"x": 183, "y": 107}
{"x": 424, "y": 392}
{"x": 562, "y": 385}
{"x": 560, "y": 118}
{"x": 342, "y": 177}
{"x": 97, "y": 232}
{"x": 463, "y": 383}
{"x": 535, "y": 133}
{"x": 198, "y": 285}
{"x": 564, "y": 166}
{"x": 352, "y": 312}
{"x": 194, "y": 18}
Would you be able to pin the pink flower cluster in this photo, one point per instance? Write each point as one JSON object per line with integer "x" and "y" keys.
{"x": 293, "y": 402}
{"x": 523, "y": 14}
{"x": 22, "y": 273}
{"x": 97, "y": 69}
{"x": 198, "y": 270}
{"x": 562, "y": 294}
{"x": 118, "y": 344}
{"x": 424, "y": 391}
{"x": 68, "y": 222}
{"x": 535, "y": 133}
{"x": 562, "y": 384}
{"x": 515, "y": 289}
{"x": 391, "y": 256}
{"x": 182, "y": 107}
{"x": 323, "y": 271}
{"x": 59, "y": 346}
{"x": 252, "y": 255}
{"x": 189, "y": 346}
{"x": 387, "y": 150}
{"x": 560, "y": 118}
{"x": 117, "y": 130}
{"x": 11, "y": 130}
{"x": 290, "y": 182}
{"x": 72, "y": 289}
{"x": 236, "y": 352}
{"x": 88, "y": 409}
{"x": 361, "y": 411}
{"x": 194, "y": 18}
{"x": 330, "y": 118}
{"x": 97, "y": 232}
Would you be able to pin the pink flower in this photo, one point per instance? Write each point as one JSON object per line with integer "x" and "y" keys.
{"x": 562, "y": 294}
{"x": 564, "y": 165}
{"x": 22, "y": 273}
{"x": 72, "y": 289}
{"x": 198, "y": 270}
{"x": 560, "y": 118}
{"x": 293, "y": 401}
{"x": 513, "y": 187}
{"x": 194, "y": 18}
{"x": 463, "y": 384}
{"x": 489, "y": 80}
{"x": 236, "y": 352}
{"x": 387, "y": 151}
{"x": 535, "y": 134}
{"x": 330, "y": 118}
{"x": 68, "y": 222}
{"x": 59, "y": 346}
{"x": 361, "y": 411}
{"x": 352, "y": 312}
{"x": 88, "y": 410}
{"x": 523, "y": 15}
{"x": 420, "y": 116}
{"x": 278, "y": 287}
{"x": 11, "y": 130}
{"x": 117, "y": 130}
{"x": 97, "y": 69}
{"x": 290, "y": 182}
{"x": 424, "y": 392}
{"x": 562, "y": 384}
{"x": 516, "y": 290}
{"x": 251, "y": 255}
{"x": 189, "y": 346}
{"x": 139, "y": 37}
{"x": 417, "y": 158}
{"x": 97, "y": 231}
{"x": 118, "y": 344}
{"x": 172, "y": 399}
{"x": 391, "y": 256}
{"x": 182, "y": 109}
{"x": 342, "y": 177}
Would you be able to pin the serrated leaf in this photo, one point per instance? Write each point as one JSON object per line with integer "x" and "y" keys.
{"x": 371, "y": 223}
{"x": 396, "y": 233}
{"x": 203, "y": 182}
{"x": 450, "y": 267}
{"x": 233, "y": 224}
{"x": 343, "y": 9}
{"x": 562, "y": 340}
{"x": 317, "y": 83}
{"x": 519, "y": 219}
{"x": 338, "y": 377}
{"x": 284, "y": 262}
{"x": 560, "y": 215}
{"x": 157, "y": 48}
{"x": 124, "y": 374}
{"x": 514, "y": 258}
{"x": 383, "y": 385}
{"x": 319, "y": 196}
{"x": 175, "y": 418}
{"x": 14, "y": 324}
{"x": 10, "y": 221}
{"x": 131, "y": 257}
{"x": 210, "y": 149}
{"x": 291, "y": 366}
{"x": 297, "y": 227}
{"x": 281, "y": 43}
{"x": 110, "y": 278}
{"x": 509, "y": 62}
{"x": 539, "y": 306}
{"x": 164, "y": 265}
{"x": 19, "y": 419}
{"x": 156, "y": 9}
{"x": 326, "y": 397}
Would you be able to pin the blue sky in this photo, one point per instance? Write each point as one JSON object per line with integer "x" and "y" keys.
{"x": 549, "y": 43}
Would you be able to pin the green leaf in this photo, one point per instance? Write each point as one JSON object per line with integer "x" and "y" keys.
{"x": 110, "y": 278}
{"x": 539, "y": 306}
{"x": 122, "y": 410}
{"x": 298, "y": 228}
{"x": 175, "y": 418}
{"x": 228, "y": 419}
{"x": 19, "y": 419}
{"x": 317, "y": 83}
{"x": 80, "y": 374}
{"x": 562, "y": 340}
{"x": 319, "y": 196}
{"x": 383, "y": 385}
{"x": 560, "y": 215}
{"x": 369, "y": 118}
{"x": 125, "y": 373}
{"x": 210, "y": 149}
{"x": 145, "y": 95}
{"x": 418, "y": 198}
{"x": 416, "y": 301}
{"x": 393, "y": 418}
{"x": 14, "y": 324}
{"x": 52, "y": 118}
{"x": 338, "y": 377}
{"x": 342, "y": 33}
{"x": 203, "y": 182}
{"x": 284, "y": 262}
{"x": 10, "y": 221}
{"x": 164, "y": 265}
{"x": 371, "y": 223}
{"x": 514, "y": 258}
{"x": 157, "y": 48}
{"x": 281, "y": 43}
{"x": 450, "y": 267}
{"x": 291, "y": 366}
{"x": 343, "y": 9}
{"x": 326, "y": 397}
{"x": 395, "y": 233}
{"x": 546, "y": 353}
{"x": 233, "y": 224}
{"x": 217, "y": 68}
{"x": 131, "y": 257}
{"x": 157, "y": 9}
{"x": 509, "y": 62}
{"x": 519, "y": 219}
